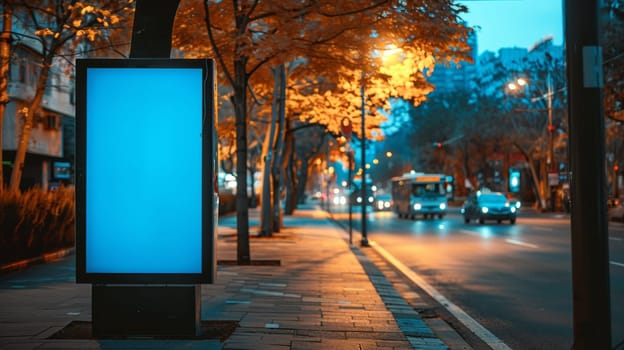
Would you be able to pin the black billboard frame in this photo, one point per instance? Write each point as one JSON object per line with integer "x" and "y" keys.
{"x": 209, "y": 160}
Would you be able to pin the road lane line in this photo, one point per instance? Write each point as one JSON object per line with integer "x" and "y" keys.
{"x": 480, "y": 331}
{"x": 616, "y": 239}
{"x": 471, "y": 232}
{"x": 520, "y": 243}
{"x": 616, "y": 263}
{"x": 538, "y": 228}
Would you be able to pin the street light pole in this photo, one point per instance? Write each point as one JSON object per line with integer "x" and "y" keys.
{"x": 551, "y": 154}
{"x": 350, "y": 156}
{"x": 364, "y": 241}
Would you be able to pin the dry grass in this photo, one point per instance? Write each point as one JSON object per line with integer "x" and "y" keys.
{"x": 35, "y": 222}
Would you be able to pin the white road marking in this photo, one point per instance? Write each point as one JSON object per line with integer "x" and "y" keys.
{"x": 471, "y": 232}
{"x": 520, "y": 243}
{"x": 485, "y": 335}
{"x": 616, "y": 263}
{"x": 616, "y": 239}
{"x": 538, "y": 228}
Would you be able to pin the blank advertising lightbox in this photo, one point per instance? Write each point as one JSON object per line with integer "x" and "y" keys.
{"x": 145, "y": 169}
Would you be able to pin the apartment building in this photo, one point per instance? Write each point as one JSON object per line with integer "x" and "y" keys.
{"x": 50, "y": 149}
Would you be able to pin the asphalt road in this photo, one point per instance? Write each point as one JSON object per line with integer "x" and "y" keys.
{"x": 515, "y": 280}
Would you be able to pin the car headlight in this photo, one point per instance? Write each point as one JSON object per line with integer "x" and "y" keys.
{"x": 442, "y": 206}
{"x": 387, "y": 204}
{"x": 513, "y": 209}
{"x": 359, "y": 199}
{"x": 462, "y": 210}
{"x": 484, "y": 210}
{"x": 417, "y": 206}
{"x": 343, "y": 200}
{"x": 380, "y": 205}
{"x": 336, "y": 200}
{"x": 371, "y": 199}
{"x": 518, "y": 204}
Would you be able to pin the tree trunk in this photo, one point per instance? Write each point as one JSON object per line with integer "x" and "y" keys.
{"x": 279, "y": 150}
{"x": 152, "y": 28}
{"x": 24, "y": 138}
{"x": 5, "y": 61}
{"x": 253, "y": 201}
{"x": 266, "y": 217}
{"x": 302, "y": 181}
{"x": 534, "y": 177}
{"x": 289, "y": 176}
{"x": 243, "y": 255}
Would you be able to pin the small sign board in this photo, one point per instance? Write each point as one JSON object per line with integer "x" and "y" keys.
{"x": 145, "y": 171}
{"x": 553, "y": 179}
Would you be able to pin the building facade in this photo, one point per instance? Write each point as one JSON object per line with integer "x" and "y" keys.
{"x": 49, "y": 155}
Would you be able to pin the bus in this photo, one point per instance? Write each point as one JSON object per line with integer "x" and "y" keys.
{"x": 419, "y": 194}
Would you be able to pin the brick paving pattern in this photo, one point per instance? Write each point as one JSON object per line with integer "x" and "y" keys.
{"x": 324, "y": 294}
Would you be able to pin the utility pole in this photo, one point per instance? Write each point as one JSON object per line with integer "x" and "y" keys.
{"x": 590, "y": 245}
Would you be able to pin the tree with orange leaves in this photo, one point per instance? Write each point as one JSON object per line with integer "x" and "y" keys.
{"x": 338, "y": 40}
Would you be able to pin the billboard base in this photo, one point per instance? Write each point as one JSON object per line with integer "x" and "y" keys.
{"x": 145, "y": 310}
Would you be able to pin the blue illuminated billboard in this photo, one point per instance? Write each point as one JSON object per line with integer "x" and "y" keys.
{"x": 145, "y": 169}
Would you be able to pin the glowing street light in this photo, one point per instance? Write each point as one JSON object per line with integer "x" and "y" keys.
{"x": 388, "y": 52}
{"x": 516, "y": 85}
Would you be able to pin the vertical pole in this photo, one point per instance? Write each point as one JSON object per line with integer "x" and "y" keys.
{"x": 590, "y": 254}
{"x": 5, "y": 59}
{"x": 551, "y": 153}
{"x": 327, "y": 179}
{"x": 350, "y": 155}
{"x": 364, "y": 241}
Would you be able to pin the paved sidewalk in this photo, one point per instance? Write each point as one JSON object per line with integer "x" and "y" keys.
{"x": 323, "y": 295}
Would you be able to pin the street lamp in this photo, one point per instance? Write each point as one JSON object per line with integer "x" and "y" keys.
{"x": 550, "y": 163}
{"x": 364, "y": 241}
{"x": 550, "y": 168}
{"x": 518, "y": 84}
{"x": 388, "y": 52}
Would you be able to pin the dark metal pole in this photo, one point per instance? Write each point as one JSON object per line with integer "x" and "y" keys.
{"x": 350, "y": 174}
{"x": 590, "y": 245}
{"x": 327, "y": 180}
{"x": 364, "y": 241}
{"x": 552, "y": 166}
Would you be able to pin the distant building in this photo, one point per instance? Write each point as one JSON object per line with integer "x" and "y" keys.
{"x": 456, "y": 76}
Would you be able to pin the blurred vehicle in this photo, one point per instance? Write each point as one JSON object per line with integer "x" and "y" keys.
{"x": 383, "y": 202}
{"x": 356, "y": 193}
{"x": 371, "y": 199}
{"x": 481, "y": 206}
{"x": 513, "y": 200}
{"x": 419, "y": 194}
{"x": 339, "y": 197}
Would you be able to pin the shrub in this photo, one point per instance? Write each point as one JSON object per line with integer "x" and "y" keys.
{"x": 38, "y": 221}
{"x": 35, "y": 222}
